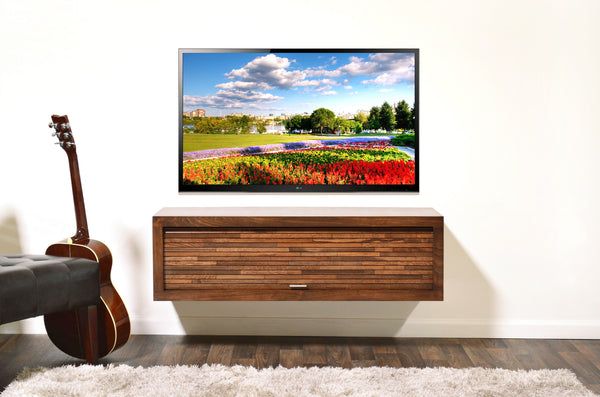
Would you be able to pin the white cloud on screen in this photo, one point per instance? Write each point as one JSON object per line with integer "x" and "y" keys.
{"x": 246, "y": 86}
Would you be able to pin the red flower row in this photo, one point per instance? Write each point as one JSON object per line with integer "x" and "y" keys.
{"x": 357, "y": 172}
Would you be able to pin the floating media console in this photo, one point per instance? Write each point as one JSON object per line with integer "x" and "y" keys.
{"x": 290, "y": 254}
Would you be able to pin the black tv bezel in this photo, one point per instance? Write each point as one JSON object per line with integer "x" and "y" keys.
{"x": 298, "y": 188}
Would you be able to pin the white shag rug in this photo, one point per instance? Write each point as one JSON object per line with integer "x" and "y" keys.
{"x": 222, "y": 381}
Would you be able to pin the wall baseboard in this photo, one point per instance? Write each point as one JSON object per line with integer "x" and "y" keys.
{"x": 357, "y": 327}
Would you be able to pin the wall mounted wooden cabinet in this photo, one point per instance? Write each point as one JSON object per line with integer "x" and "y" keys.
{"x": 298, "y": 254}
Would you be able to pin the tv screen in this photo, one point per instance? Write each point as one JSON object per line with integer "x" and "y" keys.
{"x": 319, "y": 120}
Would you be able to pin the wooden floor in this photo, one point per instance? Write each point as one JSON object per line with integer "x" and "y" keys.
{"x": 581, "y": 356}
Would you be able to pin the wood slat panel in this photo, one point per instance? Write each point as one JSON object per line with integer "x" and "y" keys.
{"x": 294, "y": 271}
{"x": 358, "y": 233}
{"x": 192, "y": 261}
{"x": 246, "y": 287}
{"x": 298, "y": 279}
{"x": 301, "y": 241}
{"x": 267, "y": 259}
{"x": 305, "y": 260}
{"x": 339, "y": 266}
{"x": 283, "y": 253}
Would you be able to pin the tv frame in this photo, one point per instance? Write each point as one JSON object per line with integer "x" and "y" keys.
{"x": 298, "y": 188}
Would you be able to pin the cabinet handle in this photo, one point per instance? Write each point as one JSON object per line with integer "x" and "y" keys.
{"x": 298, "y": 286}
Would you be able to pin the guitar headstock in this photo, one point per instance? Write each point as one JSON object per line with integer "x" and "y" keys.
{"x": 62, "y": 130}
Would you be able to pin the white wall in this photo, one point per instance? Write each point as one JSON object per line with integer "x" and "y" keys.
{"x": 510, "y": 104}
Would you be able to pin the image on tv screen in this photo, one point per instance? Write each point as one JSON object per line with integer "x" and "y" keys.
{"x": 300, "y": 119}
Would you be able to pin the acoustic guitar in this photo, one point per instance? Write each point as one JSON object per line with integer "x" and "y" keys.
{"x": 65, "y": 329}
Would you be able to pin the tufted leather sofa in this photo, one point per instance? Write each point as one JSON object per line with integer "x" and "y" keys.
{"x": 32, "y": 285}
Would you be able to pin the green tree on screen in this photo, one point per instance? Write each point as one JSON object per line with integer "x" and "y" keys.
{"x": 404, "y": 116}
{"x": 361, "y": 117}
{"x": 386, "y": 117}
{"x": 322, "y": 119}
{"x": 373, "y": 121}
{"x": 294, "y": 123}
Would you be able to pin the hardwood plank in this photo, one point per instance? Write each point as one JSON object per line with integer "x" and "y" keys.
{"x": 388, "y": 360}
{"x": 361, "y": 353}
{"x": 548, "y": 351}
{"x": 220, "y": 354}
{"x": 267, "y": 355}
{"x": 590, "y": 349}
{"x": 149, "y": 349}
{"x": 582, "y": 356}
{"x": 431, "y": 353}
{"x": 525, "y": 354}
{"x": 197, "y": 350}
{"x": 455, "y": 356}
{"x": 429, "y": 349}
{"x": 244, "y": 354}
{"x": 314, "y": 354}
{"x": 477, "y": 352}
{"x": 291, "y": 358}
{"x": 364, "y": 363}
{"x": 172, "y": 353}
{"x": 7, "y": 342}
{"x": 384, "y": 346}
{"x": 505, "y": 357}
{"x": 586, "y": 370}
{"x": 338, "y": 355}
{"x": 493, "y": 343}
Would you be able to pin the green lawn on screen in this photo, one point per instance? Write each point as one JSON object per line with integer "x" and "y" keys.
{"x": 194, "y": 142}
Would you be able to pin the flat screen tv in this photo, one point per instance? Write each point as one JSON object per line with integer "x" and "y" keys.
{"x": 315, "y": 120}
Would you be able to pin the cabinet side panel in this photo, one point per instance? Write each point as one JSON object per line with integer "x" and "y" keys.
{"x": 438, "y": 260}
{"x": 158, "y": 259}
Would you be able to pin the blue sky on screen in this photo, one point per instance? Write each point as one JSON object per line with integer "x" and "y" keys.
{"x": 292, "y": 83}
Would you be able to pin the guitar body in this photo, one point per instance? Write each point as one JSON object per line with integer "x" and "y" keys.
{"x": 112, "y": 319}
{"x": 94, "y": 331}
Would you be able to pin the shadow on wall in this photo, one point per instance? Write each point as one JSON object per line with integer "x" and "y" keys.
{"x": 468, "y": 305}
{"x": 10, "y": 243}
{"x": 133, "y": 265}
{"x": 306, "y": 318}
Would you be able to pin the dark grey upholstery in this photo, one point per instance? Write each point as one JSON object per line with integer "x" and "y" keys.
{"x": 32, "y": 285}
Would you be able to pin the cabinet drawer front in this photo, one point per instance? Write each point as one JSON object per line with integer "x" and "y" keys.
{"x": 285, "y": 259}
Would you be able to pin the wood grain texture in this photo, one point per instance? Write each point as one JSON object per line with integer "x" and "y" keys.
{"x": 112, "y": 317}
{"x": 398, "y": 256}
{"x": 294, "y": 211}
{"x": 580, "y": 356}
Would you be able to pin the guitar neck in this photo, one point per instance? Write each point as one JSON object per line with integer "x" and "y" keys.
{"x": 82, "y": 232}
{"x": 62, "y": 130}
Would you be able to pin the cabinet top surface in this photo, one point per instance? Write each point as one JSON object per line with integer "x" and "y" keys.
{"x": 295, "y": 211}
